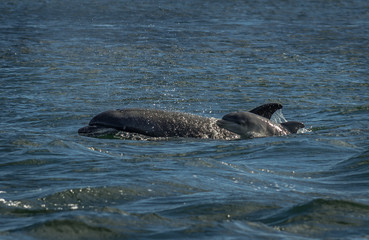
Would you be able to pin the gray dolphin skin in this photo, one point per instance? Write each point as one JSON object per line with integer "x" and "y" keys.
{"x": 159, "y": 123}
{"x": 250, "y": 125}
{"x": 155, "y": 123}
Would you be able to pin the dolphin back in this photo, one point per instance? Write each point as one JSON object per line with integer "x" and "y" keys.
{"x": 293, "y": 126}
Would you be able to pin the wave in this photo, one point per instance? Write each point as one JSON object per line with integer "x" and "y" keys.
{"x": 319, "y": 218}
{"x": 70, "y": 228}
{"x": 322, "y": 217}
{"x": 354, "y": 170}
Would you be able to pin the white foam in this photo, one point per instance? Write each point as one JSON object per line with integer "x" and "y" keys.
{"x": 278, "y": 117}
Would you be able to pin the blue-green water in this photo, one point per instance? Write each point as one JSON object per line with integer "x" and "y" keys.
{"x": 62, "y": 62}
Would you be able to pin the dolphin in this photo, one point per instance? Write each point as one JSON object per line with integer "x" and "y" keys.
{"x": 159, "y": 123}
{"x": 155, "y": 123}
{"x": 250, "y": 125}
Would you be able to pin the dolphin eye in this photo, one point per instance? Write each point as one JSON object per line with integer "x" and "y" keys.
{"x": 242, "y": 121}
{"x": 239, "y": 120}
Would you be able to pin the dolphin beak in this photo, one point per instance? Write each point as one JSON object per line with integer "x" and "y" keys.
{"x": 84, "y": 130}
{"x": 96, "y": 131}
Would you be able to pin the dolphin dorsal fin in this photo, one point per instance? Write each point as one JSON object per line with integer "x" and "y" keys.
{"x": 293, "y": 126}
{"x": 266, "y": 110}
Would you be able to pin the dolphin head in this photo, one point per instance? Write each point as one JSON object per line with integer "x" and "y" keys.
{"x": 111, "y": 122}
{"x": 246, "y": 124}
{"x": 102, "y": 125}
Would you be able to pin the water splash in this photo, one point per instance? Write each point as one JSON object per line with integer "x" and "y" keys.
{"x": 278, "y": 117}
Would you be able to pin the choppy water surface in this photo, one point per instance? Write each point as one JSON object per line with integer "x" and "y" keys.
{"x": 62, "y": 62}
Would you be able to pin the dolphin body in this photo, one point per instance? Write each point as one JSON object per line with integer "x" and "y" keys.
{"x": 159, "y": 124}
{"x": 250, "y": 125}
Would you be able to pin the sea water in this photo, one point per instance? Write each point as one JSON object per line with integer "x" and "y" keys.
{"x": 62, "y": 62}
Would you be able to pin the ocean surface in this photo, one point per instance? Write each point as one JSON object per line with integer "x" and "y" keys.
{"x": 63, "y": 62}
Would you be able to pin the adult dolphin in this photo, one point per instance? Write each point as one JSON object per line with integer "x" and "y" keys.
{"x": 159, "y": 123}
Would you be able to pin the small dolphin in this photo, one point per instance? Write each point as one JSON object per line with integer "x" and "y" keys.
{"x": 250, "y": 125}
{"x": 159, "y": 123}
